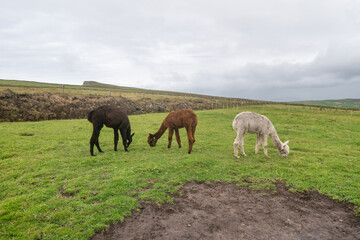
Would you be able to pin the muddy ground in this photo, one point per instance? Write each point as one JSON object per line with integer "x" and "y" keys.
{"x": 226, "y": 211}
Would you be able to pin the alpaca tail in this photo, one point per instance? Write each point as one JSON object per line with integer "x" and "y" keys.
{"x": 90, "y": 116}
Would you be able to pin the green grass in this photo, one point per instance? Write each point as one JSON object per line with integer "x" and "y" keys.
{"x": 51, "y": 188}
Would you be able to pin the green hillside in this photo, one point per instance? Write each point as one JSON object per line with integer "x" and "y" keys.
{"x": 338, "y": 103}
{"x": 89, "y": 87}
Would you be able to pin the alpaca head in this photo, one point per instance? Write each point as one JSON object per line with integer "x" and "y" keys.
{"x": 285, "y": 149}
{"x": 129, "y": 140}
{"x": 151, "y": 140}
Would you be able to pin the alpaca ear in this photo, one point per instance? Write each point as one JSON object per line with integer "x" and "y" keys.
{"x": 284, "y": 144}
{"x": 132, "y": 134}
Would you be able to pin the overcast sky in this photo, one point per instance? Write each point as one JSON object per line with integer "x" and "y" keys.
{"x": 278, "y": 50}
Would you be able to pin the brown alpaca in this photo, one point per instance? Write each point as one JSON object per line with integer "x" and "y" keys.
{"x": 175, "y": 120}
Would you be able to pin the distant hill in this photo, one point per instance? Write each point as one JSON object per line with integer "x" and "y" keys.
{"x": 94, "y": 84}
{"x": 351, "y": 103}
{"x": 86, "y": 85}
{"x": 98, "y": 85}
{"x": 36, "y": 101}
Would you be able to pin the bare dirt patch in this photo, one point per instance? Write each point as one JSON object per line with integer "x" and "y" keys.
{"x": 226, "y": 211}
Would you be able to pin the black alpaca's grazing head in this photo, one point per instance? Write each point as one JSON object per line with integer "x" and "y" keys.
{"x": 129, "y": 139}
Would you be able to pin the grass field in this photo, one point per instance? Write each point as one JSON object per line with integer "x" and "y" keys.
{"x": 51, "y": 188}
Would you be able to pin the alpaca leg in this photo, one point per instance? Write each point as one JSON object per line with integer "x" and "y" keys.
{"x": 124, "y": 139}
{"x": 98, "y": 145}
{"x": 242, "y": 137}
{"x": 191, "y": 139}
{"x": 92, "y": 142}
{"x": 116, "y": 138}
{"x": 258, "y": 142}
{"x": 236, "y": 147}
{"x": 171, "y": 132}
{"x": 264, "y": 144}
{"x": 193, "y": 132}
{"x": 95, "y": 140}
{"x": 178, "y": 137}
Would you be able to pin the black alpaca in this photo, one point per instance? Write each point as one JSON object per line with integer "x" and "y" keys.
{"x": 112, "y": 118}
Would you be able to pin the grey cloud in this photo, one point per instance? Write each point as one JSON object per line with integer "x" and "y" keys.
{"x": 329, "y": 72}
{"x": 254, "y": 49}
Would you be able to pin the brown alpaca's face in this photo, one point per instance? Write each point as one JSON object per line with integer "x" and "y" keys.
{"x": 151, "y": 140}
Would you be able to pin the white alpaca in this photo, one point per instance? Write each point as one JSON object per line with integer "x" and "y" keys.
{"x": 255, "y": 123}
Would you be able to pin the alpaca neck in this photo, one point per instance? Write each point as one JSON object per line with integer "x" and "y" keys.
{"x": 161, "y": 131}
{"x": 276, "y": 140}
